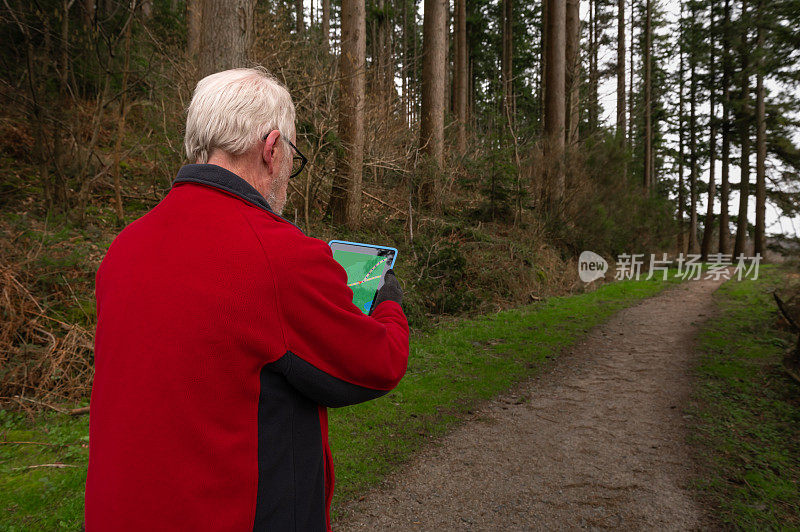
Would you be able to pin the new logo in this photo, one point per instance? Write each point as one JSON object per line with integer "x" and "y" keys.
{"x": 591, "y": 266}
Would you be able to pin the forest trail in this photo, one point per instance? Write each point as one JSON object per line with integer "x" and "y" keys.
{"x": 598, "y": 442}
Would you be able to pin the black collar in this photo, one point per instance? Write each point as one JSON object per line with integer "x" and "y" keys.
{"x": 219, "y": 177}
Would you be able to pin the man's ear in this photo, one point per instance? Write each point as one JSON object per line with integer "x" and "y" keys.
{"x": 270, "y": 146}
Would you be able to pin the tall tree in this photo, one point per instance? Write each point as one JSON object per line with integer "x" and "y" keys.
{"x": 724, "y": 199}
{"x": 461, "y": 72}
{"x": 227, "y": 34}
{"x": 681, "y": 146}
{"x": 326, "y": 23}
{"x": 573, "y": 64}
{"x": 648, "y": 102}
{"x": 345, "y": 204}
{"x": 621, "y": 73}
{"x": 194, "y": 26}
{"x": 507, "y": 60}
{"x": 594, "y": 48}
{"x": 708, "y": 225}
{"x": 300, "y": 26}
{"x": 434, "y": 74}
{"x": 554, "y": 100}
{"x": 693, "y": 47}
{"x": 744, "y": 135}
{"x": 630, "y": 71}
{"x": 761, "y": 136}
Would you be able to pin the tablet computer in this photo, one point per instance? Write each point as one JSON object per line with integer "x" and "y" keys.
{"x": 365, "y": 265}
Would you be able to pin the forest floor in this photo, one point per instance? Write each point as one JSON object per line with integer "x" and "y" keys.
{"x": 599, "y": 442}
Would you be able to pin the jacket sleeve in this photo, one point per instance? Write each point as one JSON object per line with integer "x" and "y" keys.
{"x": 335, "y": 354}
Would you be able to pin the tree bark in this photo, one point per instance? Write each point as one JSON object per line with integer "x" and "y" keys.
{"x": 761, "y": 139}
{"x": 681, "y": 194}
{"x": 630, "y": 80}
{"x": 554, "y": 101}
{"x": 648, "y": 125}
{"x": 708, "y": 225}
{"x": 507, "y": 58}
{"x": 543, "y": 61}
{"x": 88, "y": 12}
{"x": 739, "y": 246}
{"x": 326, "y": 23}
{"x": 724, "y": 219}
{"x": 461, "y": 74}
{"x": 434, "y": 73}
{"x": 123, "y": 110}
{"x": 573, "y": 65}
{"x": 300, "y": 26}
{"x": 593, "y": 67}
{"x": 345, "y": 204}
{"x": 194, "y": 25}
{"x": 227, "y": 35}
{"x": 621, "y": 75}
{"x": 693, "y": 246}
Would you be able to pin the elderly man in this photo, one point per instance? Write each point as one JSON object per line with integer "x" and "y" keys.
{"x": 223, "y": 334}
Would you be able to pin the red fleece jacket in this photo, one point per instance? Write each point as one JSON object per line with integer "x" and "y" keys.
{"x": 223, "y": 332}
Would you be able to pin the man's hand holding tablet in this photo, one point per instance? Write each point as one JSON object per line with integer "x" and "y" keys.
{"x": 369, "y": 272}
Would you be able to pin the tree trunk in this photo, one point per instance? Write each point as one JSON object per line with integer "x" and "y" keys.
{"x": 404, "y": 65}
{"x": 88, "y": 13}
{"x": 630, "y": 80}
{"x": 724, "y": 200}
{"x": 648, "y": 125}
{"x": 593, "y": 60}
{"x": 226, "y": 36}
{"x": 461, "y": 74}
{"x": 123, "y": 110}
{"x": 573, "y": 65}
{"x": 708, "y": 226}
{"x": 326, "y": 23}
{"x": 194, "y": 25}
{"x": 554, "y": 101}
{"x": 621, "y": 75}
{"x": 434, "y": 73}
{"x": 345, "y": 204}
{"x": 507, "y": 58}
{"x": 693, "y": 246}
{"x": 681, "y": 195}
{"x": 300, "y": 26}
{"x": 543, "y": 61}
{"x": 761, "y": 139}
{"x": 739, "y": 247}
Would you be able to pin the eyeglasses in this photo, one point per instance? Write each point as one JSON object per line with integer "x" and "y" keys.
{"x": 298, "y": 160}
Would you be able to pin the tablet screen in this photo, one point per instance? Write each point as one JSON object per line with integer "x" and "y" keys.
{"x": 365, "y": 265}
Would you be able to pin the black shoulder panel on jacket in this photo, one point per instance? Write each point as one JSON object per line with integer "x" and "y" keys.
{"x": 321, "y": 387}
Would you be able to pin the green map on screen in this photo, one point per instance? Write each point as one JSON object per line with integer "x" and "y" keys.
{"x": 363, "y": 275}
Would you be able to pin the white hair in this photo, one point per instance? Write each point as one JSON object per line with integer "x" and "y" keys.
{"x": 234, "y": 109}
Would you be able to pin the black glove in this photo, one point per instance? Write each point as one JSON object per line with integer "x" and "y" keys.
{"x": 390, "y": 291}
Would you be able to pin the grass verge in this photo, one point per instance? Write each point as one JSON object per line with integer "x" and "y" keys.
{"x": 746, "y": 412}
{"x": 450, "y": 371}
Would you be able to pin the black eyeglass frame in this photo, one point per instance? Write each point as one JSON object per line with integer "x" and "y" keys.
{"x": 299, "y": 156}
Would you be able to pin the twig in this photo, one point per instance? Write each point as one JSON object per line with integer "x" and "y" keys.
{"x": 30, "y": 443}
{"x": 58, "y": 465}
{"x": 367, "y": 194}
{"x": 42, "y": 403}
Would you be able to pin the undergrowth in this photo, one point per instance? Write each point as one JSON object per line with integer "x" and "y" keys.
{"x": 746, "y": 411}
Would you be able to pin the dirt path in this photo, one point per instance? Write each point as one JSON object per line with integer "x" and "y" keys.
{"x": 599, "y": 442}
